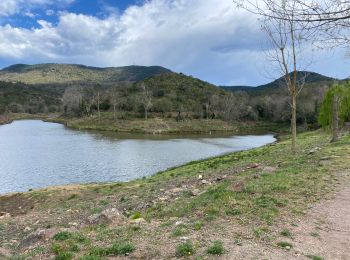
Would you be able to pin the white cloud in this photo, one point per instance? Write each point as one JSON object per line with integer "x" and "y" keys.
{"x": 208, "y": 39}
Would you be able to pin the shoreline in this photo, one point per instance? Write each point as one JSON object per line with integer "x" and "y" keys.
{"x": 160, "y": 126}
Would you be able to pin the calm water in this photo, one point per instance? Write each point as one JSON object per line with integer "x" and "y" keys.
{"x": 35, "y": 154}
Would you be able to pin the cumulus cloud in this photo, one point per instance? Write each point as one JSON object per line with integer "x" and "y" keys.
{"x": 208, "y": 39}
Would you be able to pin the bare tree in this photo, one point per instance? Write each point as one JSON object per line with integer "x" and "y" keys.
{"x": 146, "y": 98}
{"x": 114, "y": 98}
{"x": 286, "y": 36}
{"x": 72, "y": 99}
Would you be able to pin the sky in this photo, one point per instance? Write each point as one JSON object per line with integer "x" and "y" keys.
{"x": 211, "y": 40}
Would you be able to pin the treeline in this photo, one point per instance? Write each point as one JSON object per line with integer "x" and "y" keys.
{"x": 168, "y": 95}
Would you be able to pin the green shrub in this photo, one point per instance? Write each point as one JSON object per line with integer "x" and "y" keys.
{"x": 62, "y": 236}
{"x": 185, "y": 249}
{"x": 136, "y": 215}
{"x": 286, "y": 233}
{"x": 216, "y": 248}
{"x": 285, "y": 245}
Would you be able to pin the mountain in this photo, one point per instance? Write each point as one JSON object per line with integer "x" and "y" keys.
{"x": 71, "y": 73}
{"x": 311, "y": 78}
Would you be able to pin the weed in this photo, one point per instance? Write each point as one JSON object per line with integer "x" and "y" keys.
{"x": 185, "y": 249}
{"x": 62, "y": 236}
{"x": 315, "y": 257}
{"x": 216, "y": 248}
{"x": 136, "y": 215}
{"x": 285, "y": 245}
{"x": 286, "y": 233}
{"x": 179, "y": 231}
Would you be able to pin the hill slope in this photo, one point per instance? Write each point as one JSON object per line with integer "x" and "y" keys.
{"x": 67, "y": 73}
{"x": 311, "y": 78}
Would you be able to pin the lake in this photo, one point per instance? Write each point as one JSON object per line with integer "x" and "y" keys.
{"x": 36, "y": 154}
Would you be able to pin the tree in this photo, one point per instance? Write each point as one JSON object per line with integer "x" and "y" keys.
{"x": 335, "y": 109}
{"x": 286, "y": 36}
{"x": 98, "y": 100}
{"x": 114, "y": 99}
{"x": 72, "y": 99}
{"x": 146, "y": 99}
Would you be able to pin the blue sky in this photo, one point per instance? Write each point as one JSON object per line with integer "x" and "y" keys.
{"x": 210, "y": 39}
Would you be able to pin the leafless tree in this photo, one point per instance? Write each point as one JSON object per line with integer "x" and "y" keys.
{"x": 286, "y": 36}
{"x": 72, "y": 99}
{"x": 115, "y": 99}
{"x": 146, "y": 99}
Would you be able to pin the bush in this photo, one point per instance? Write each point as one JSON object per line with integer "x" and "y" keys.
{"x": 185, "y": 249}
{"x": 62, "y": 236}
{"x": 216, "y": 248}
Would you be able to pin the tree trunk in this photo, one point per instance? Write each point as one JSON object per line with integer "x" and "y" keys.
{"x": 335, "y": 119}
{"x": 98, "y": 106}
{"x": 114, "y": 115}
{"x": 146, "y": 114}
{"x": 294, "y": 124}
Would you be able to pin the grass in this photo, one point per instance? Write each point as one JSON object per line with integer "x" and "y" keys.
{"x": 185, "y": 249}
{"x": 286, "y": 233}
{"x": 285, "y": 245}
{"x": 216, "y": 248}
{"x": 256, "y": 204}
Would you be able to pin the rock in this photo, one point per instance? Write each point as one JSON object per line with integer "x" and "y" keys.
{"x": 314, "y": 150}
{"x": 163, "y": 199}
{"x": 4, "y": 252}
{"x": 200, "y": 177}
{"x": 178, "y": 223}
{"x": 27, "y": 229}
{"x": 253, "y": 166}
{"x": 195, "y": 192}
{"x": 138, "y": 221}
{"x": 205, "y": 182}
{"x": 98, "y": 219}
{"x": 4, "y": 215}
{"x": 220, "y": 178}
{"x": 184, "y": 239}
{"x": 107, "y": 216}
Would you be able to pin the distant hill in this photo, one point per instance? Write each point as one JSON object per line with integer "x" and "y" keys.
{"x": 311, "y": 78}
{"x": 70, "y": 73}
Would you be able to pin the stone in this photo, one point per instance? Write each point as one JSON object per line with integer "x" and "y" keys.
{"x": 138, "y": 221}
{"x": 314, "y": 150}
{"x": 205, "y": 182}
{"x": 4, "y": 252}
{"x": 4, "y": 215}
{"x": 195, "y": 192}
{"x": 98, "y": 219}
{"x": 107, "y": 216}
{"x": 200, "y": 177}
{"x": 253, "y": 166}
{"x": 178, "y": 223}
{"x": 27, "y": 229}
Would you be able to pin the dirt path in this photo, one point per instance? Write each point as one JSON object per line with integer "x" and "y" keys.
{"x": 323, "y": 234}
{"x": 325, "y": 231}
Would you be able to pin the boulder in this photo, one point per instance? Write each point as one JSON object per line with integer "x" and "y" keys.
{"x": 107, "y": 216}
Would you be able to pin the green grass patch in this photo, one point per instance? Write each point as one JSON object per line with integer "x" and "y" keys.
{"x": 216, "y": 248}
{"x": 185, "y": 249}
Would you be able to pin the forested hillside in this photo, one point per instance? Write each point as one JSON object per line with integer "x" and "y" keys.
{"x": 136, "y": 91}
